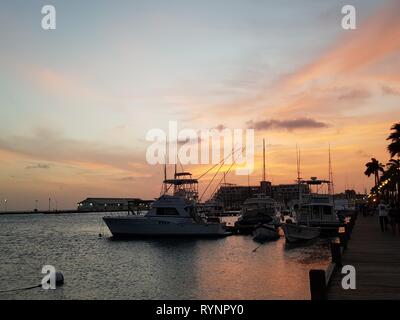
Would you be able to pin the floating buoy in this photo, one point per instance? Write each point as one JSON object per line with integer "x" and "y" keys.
{"x": 59, "y": 278}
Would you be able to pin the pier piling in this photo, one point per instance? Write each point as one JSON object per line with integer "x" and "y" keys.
{"x": 318, "y": 284}
{"x": 320, "y": 279}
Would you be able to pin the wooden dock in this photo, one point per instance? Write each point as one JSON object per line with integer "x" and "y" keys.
{"x": 376, "y": 258}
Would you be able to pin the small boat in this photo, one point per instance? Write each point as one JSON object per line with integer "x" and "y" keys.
{"x": 265, "y": 232}
{"x": 260, "y": 209}
{"x": 297, "y": 232}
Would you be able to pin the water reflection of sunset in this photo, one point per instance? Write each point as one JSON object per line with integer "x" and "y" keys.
{"x": 233, "y": 271}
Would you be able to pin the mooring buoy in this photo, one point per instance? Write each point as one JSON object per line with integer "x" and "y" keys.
{"x": 59, "y": 278}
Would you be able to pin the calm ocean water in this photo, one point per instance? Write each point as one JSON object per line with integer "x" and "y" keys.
{"x": 103, "y": 268}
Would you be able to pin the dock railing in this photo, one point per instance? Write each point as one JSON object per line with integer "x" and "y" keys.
{"x": 320, "y": 278}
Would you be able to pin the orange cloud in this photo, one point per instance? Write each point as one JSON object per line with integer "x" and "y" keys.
{"x": 378, "y": 37}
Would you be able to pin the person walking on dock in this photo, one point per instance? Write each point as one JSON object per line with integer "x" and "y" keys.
{"x": 383, "y": 216}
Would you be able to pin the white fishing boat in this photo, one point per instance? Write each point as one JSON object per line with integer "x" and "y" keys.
{"x": 315, "y": 216}
{"x": 169, "y": 215}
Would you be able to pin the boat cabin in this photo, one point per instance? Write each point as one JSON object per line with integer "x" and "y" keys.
{"x": 174, "y": 207}
{"x": 318, "y": 210}
{"x": 259, "y": 205}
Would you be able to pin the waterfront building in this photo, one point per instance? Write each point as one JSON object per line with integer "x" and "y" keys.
{"x": 286, "y": 193}
{"x": 111, "y": 204}
{"x": 233, "y": 196}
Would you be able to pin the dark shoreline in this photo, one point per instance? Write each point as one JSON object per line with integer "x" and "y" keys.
{"x": 52, "y": 212}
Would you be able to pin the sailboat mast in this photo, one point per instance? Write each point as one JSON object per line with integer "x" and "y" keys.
{"x": 175, "y": 171}
{"x": 298, "y": 163}
{"x": 263, "y": 160}
{"x": 331, "y": 187}
{"x": 165, "y": 166}
{"x": 298, "y": 158}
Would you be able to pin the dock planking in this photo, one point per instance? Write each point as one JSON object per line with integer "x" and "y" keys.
{"x": 376, "y": 258}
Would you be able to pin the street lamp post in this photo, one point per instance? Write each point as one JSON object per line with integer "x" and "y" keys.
{"x": 5, "y": 205}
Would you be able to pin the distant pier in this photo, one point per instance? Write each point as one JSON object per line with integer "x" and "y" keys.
{"x": 376, "y": 258}
{"x": 54, "y": 212}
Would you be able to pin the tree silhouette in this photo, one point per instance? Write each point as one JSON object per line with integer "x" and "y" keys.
{"x": 394, "y": 146}
{"x": 374, "y": 167}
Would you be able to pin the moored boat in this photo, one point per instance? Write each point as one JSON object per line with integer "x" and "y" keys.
{"x": 169, "y": 215}
{"x": 260, "y": 209}
{"x": 315, "y": 216}
{"x": 265, "y": 232}
{"x": 297, "y": 232}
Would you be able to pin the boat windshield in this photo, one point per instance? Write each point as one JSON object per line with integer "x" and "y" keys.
{"x": 254, "y": 209}
{"x": 257, "y": 205}
{"x": 315, "y": 211}
{"x": 316, "y": 214}
{"x": 327, "y": 210}
{"x": 166, "y": 211}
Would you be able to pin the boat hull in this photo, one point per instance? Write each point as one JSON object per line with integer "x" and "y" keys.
{"x": 265, "y": 233}
{"x": 327, "y": 228}
{"x": 139, "y": 227}
{"x": 296, "y": 233}
{"x": 247, "y": 225}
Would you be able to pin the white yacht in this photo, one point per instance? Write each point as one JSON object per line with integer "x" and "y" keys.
{"x": 315, "y": 216}
{"x": 169, "y": 215}
{"x": 317, "y": 211}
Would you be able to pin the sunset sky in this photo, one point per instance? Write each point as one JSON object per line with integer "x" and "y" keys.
{"x": 77, "y": 102}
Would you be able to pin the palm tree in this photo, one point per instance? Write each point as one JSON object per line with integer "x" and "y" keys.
{"x": 394, "y": 146}
{"x": 392, "y": 175}
{"x": 374, "y": 167}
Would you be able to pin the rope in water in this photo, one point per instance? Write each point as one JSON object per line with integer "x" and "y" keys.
{"x": 255, "y": 249}
{"x": 20, "y": 289}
